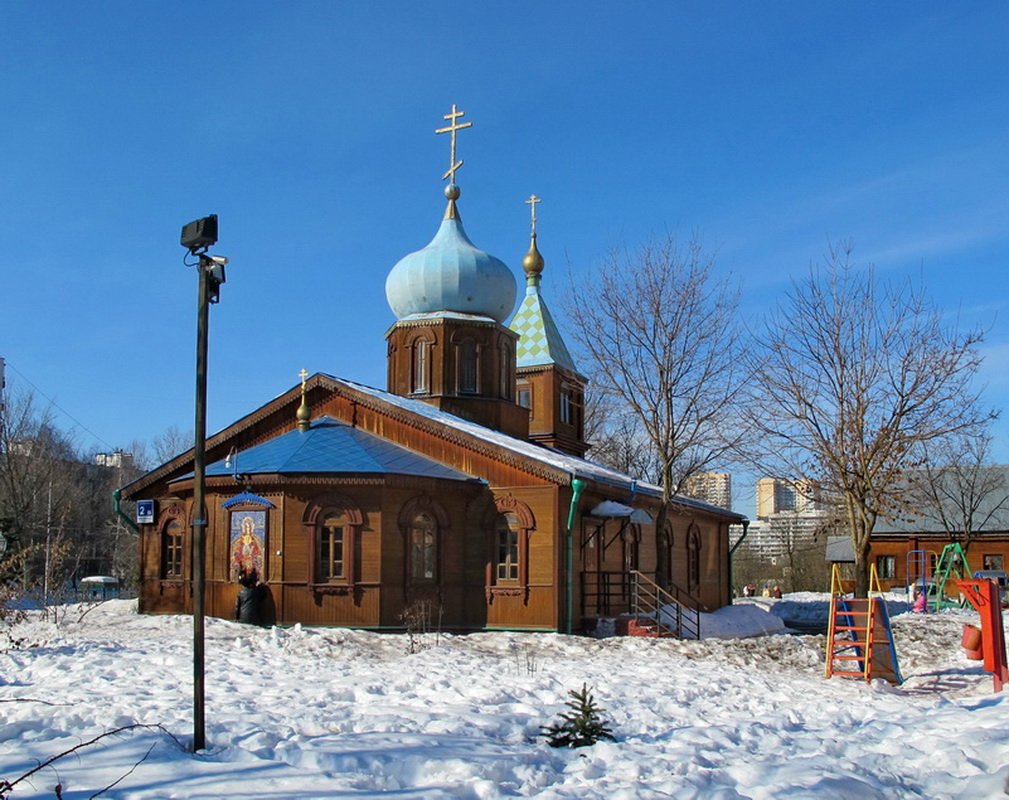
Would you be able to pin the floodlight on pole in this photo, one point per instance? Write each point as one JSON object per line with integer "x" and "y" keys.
{"x": 197, "y": 237}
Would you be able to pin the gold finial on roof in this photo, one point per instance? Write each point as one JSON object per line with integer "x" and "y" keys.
{"x": 452, "y": 128}
{"x": 533, "y": 261}
{"x": 304, "y": 415}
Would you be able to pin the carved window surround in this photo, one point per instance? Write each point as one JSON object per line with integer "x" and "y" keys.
{"x": 311, "y": 521}
{"x": 493, "y": 587}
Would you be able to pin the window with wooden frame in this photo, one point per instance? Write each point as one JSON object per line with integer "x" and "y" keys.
{"x": 172, "y": 537}
{"x": 508, "y": 557}
{"x": 525, "y": 396}
{"x": 330, "y": 562}
{"x": 566, "y": 405}
{"x": 423, "y": 537}
{"x": 693, "y": 558}
{"x": 332, "y": 524}
{"x": 506, "y": 366}
{"x": 507, "y": 560}
{"x": 666, "y": 541}
{"x": 420, "y": 366}
{"x": 423, "y": 522}
{"x": 632, "y": 546}
{"x": 886, "y": 567}
{"x": 571, "y": 406}
{"x": 577, "y": 401}
{"x": 992, "y": 561}
{"x": 468, "y": 366}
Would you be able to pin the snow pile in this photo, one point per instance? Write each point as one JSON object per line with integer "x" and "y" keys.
{"x": 308, "y": 713}
{"x": 740, "y": 621}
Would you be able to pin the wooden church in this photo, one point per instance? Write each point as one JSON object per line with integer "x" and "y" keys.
{"x": 461, "y": 489}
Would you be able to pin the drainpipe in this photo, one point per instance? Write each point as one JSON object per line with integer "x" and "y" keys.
{"x": 119, "y": 512}
{"x": 577, "y": 487}
{"x": 732, "y": 551}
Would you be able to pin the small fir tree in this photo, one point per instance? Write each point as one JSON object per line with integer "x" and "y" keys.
{"x": 581, "y": 726}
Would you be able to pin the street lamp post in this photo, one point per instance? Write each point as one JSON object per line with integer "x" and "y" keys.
{"x": 197, "y": 236}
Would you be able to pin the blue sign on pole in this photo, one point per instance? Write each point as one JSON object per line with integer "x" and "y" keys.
{"x": 145, "y": 511}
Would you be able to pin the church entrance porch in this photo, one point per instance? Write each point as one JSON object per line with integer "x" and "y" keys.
{"x": 631, "y": 603}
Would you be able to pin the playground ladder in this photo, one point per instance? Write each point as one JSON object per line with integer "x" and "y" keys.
{"x": 859, "y": 639}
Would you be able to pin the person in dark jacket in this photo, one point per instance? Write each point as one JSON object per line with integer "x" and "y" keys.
{"x": 248, "y": 604}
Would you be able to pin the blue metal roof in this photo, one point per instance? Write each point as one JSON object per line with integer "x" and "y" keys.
{"x": 329, "y": 446}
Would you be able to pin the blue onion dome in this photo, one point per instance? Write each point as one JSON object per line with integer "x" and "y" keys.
{"x": 451, "y": 274}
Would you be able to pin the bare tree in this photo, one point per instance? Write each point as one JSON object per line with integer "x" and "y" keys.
{"x": 617, "y": 439}
{"x": 40, "y": 492}
{"x": 171, "y": 443}
{"x": 660, "y": 336}
{"x": 851, "y": 379}
{"x": 802, "y": 539}
{"x": 31, "y": 451}
{"x": 959, "y": 488}
{"x": 55, "y": 504}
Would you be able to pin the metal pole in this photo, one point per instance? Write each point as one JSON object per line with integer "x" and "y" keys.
{"x": 577, "y": 487}
{"x": 49, "y": 529}
{"x": 199, "y": 520}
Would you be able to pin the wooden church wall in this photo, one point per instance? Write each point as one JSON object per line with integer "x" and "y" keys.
{"x": 381, "y": 590}
{"x": 171, "y": 596}
{"x": 536, "y": 603}
{"x": 356, "y": 604}
{"x": 402, "y": 594}
{"x": 710, "y": 588}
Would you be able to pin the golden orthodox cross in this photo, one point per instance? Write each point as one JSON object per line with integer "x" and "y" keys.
{"x": 531, "y": 202}
{"x": 304, "y": 377}
{"x": 452, "y": 127}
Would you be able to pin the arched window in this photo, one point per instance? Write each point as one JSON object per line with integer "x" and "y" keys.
{"x": 331, "y": 562}
{"x": 468, "y": 366}
{"x": 693, "y": 558}
{"x": 423, "y": 535}
{"x": 172, "y": 536}
{"x": 507, "y": 371}
{"x": 333, "y": 525}
{"x": 508, "y": 556}
{"x": 666, "y": 553}
{"x": 632, "y": 542}
{"x": 507, "y": 548}
{"x": 423, "y": 522}
{"x": 420, "y": 369}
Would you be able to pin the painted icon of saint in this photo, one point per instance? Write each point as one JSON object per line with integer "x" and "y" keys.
{"x": 246, "y": 545}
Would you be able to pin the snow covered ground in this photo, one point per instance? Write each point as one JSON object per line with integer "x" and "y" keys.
{"x": 328, "y": 713}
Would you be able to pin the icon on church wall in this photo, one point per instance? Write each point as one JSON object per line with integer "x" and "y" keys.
{"x": 248, "y": 543}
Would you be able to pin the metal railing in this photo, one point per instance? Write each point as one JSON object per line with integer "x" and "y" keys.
{"x": 675, "y": 611}
{"x": 605, "y": 594}
{"x": 611, "y": 594}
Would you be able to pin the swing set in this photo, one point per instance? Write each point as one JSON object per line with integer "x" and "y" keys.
{"x": 931, "y": 574}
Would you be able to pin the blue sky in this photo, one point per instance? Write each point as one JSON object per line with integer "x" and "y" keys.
{"x": 766, "y": 129}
